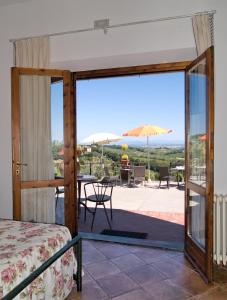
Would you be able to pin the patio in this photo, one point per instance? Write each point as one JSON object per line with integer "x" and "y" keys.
{"x": 149, "y": 209}
{"x": 159, "y": 212}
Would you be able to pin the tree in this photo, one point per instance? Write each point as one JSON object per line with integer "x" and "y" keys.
{"x": 57, "y": 146}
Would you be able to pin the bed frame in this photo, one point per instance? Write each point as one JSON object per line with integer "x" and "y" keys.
{"x": 76, "y": 242}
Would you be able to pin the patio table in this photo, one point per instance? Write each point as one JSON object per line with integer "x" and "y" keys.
{"x": 83, "y": 178}
{"x": 80, "y": 178}
{"x": 125, "y": 173}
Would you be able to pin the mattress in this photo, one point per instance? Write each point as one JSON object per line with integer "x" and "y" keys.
{"x": 24, "y": 247}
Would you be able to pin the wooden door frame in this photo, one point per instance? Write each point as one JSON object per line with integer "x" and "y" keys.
{"x": 69, "y": 145}
{"x": 199, "y": 259}
{"x": 134, "y": 70}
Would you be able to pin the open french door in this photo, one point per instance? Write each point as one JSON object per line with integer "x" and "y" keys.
{"x": 199, "y": 163}
{"x": 35, "y": 173}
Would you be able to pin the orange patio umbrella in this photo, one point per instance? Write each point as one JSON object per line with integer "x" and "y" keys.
{"x": 147, "y": 131}
{"x": 203, "y": 138}
{"x": 61, "y": 152}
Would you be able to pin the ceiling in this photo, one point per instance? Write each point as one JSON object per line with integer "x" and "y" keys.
{"x": 10, "y": 2}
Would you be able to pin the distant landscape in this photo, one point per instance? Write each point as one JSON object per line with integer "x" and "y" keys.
{"x": 152, "y": 144}
{"x": 160, "y": 155}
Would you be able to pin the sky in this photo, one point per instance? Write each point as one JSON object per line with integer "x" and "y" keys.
{"x": 120, "y": 104}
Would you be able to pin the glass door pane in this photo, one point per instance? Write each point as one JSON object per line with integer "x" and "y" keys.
{"x": 41, "y": 144}
{"x": 41, "y": 128}
{"x": 198, "y": 123}
{"x": 197, "y": 206}
{"x": 57, "y": 126}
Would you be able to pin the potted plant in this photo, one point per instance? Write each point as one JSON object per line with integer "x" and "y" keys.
{"x": 124, "y": 156}
{"x": 124, "y": 160}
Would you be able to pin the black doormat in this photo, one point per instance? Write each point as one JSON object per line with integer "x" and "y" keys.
{"x": 129, "y": 234}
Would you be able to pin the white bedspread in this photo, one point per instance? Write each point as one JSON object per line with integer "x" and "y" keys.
{"x": 23, "y": 248}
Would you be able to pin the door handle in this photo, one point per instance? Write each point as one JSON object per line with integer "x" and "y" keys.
{"x": 21, "y": 164}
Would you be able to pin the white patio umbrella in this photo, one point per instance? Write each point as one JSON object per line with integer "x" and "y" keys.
{"x": 101, "y": 138}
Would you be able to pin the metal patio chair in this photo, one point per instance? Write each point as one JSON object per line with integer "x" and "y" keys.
{"x": 99, "y": 193}
{"x": 108, "y": 178}
{"x": 138, "y": 174}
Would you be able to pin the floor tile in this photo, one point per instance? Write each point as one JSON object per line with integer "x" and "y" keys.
{"x": 134, "y": 295}
{"x": 127, "y": 262}
{"x": 99, "y": 245}
{"x": 133, "y": 249}
{"x": 87, "y": 277}
{"x": 180, "y": 258}
{"x": 170, "y": 267}
{"x": 165, "y": 290}
{"x": 88, "y": 245}
{"x": 102, "y": 269}
{"x": 117, "y": 284}
{"x": 92, "y": 255}
{"x": 192, "y": 282}
{"x": 146, "y": 273}
{"x": 113, "y": 250}
{"x": 90, "y": 291}
{"x": 217, "y": 293}
{"x": 149, "y": 255}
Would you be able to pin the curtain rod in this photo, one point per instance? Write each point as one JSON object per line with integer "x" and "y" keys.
{"x": 212, "y": 12}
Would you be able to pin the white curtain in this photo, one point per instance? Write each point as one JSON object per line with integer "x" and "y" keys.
{"x": 35, "y": 105}
{"x": 203, "y": 32}
{"x": 33, "y": 53}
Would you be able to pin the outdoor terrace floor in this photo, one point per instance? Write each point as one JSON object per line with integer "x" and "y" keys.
{"x": 156, "y": 211}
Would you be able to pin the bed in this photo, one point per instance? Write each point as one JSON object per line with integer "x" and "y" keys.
{"x": 26, "y": 246}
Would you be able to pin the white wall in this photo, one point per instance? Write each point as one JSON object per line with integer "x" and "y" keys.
{"x": 75, "y": 50}
{"x": 142, "y": 44}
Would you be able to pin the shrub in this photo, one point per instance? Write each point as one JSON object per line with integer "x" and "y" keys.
{"x": 124, "y": 147}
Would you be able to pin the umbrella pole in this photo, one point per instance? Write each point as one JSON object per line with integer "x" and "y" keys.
{"x": 102, "y": 163}
{"x": 148, "y": 160}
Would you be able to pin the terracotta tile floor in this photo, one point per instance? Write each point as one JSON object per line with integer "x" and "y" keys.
{"x": 119, "y": 272}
